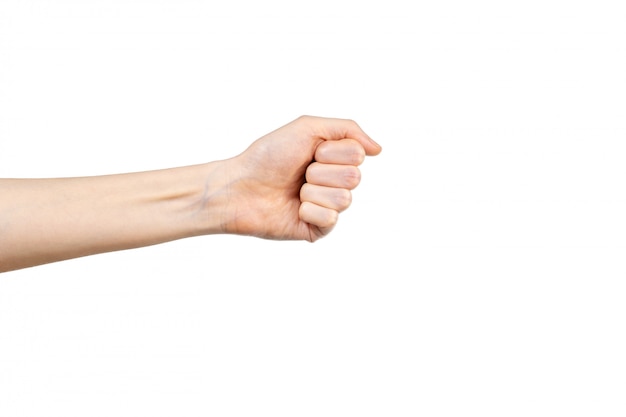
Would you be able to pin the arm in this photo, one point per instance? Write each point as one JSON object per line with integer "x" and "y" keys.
{"x": 289, "y": 184}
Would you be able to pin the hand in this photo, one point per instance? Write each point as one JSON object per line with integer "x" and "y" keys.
{"x": 294, "y": 182}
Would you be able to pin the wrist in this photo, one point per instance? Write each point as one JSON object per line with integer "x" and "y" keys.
{"x": 212, "y": 206}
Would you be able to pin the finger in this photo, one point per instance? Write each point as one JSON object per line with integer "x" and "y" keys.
{"x": 331, "y": 175}
{"x": 337, "y": 129}
{"x": 344, "y": 151}
{"x": 319, "y": 216}
{"x": 337, "y": 199}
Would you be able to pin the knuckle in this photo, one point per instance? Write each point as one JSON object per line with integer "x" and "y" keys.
{"x": 302, "y": 211}
{"x": 358, "y": 155}
{"x": 352, "y": 176}
{"x": 309, "y": 175}
{"x": 304, "y": 191}
{"x": 354, "y": 152}
{"x": 344, "y": 199}
{"x": 331, "y": 218}
{"x": 304, "y": 122}
{"x": 322, "y": 153}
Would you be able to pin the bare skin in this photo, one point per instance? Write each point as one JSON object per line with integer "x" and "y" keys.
{"x": 291, "y": 184}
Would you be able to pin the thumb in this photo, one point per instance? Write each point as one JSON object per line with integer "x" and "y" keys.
{"x": 338, "y": 129}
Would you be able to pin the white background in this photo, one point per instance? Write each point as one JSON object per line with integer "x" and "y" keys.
{"x": 480, "y": 270}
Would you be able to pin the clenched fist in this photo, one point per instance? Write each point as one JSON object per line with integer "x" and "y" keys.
{"x": 294, "y": 182}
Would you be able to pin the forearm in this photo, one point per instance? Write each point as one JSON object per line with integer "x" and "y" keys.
{"x": 256, "y": 193}
{"x": 48, "y": 220}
